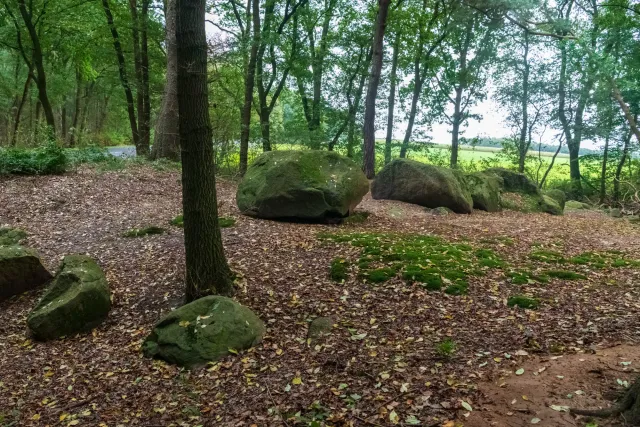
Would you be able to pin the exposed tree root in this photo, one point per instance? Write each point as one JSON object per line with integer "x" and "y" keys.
{"x": 629, "y": 406}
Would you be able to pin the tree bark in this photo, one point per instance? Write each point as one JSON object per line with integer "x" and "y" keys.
{"x": 76, "y": 110}
{"x": 623, "y": 159}
{"x": 369, "y": 149}
{"x": 249, "y": 82}
{"x": 16, "y": 121}
{"x": 38, "y": 64}
{"x": 207, "y": 270}
{"x": 458, "y": 114}
{"x": 166, "y": 140}
{"x": 603, "y": 175}
{"x": 144, "y": 65}
{"x": 392, "y": 99}
{"x": 122, "y": 69}
{"x": 523, "y": 147}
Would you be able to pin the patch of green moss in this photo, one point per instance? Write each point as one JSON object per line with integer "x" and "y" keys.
{"x": 379, "y": 275}
{"x": 339, "y": 270}
{"x": 427, "y": 260}
{"x": 223, "y": 221}
{"x": 526, "y": 277}
{"x": 146, "y": 231}
{"x": 446, "y": 347}
{"x": 547, "y": 256}
{"x": 603, "y": 260}
{"x": 11, "y": 236}
{"x": 564, "y": 274}
{"x": 523, "y": 301}
{"x": 456, "y": 289}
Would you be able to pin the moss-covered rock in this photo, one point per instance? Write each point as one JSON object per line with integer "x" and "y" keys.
{"x": 523, "y": 301}
{"x": 576, "y": 205}
{"x": 78, "y": 300}
{"x": 514, "y": 181}
{"x": 550, "y": 205}
{"x": 485, "y": 190}
{"x": 615, "y": 213}
{"x": 319, "y": 327}
{"x": 441, "y": 211}
{"x": 558, "y": 195}
{"x": 11, "y": 236}
{"x": 303, "y": 185}
{"x": 20, "y": 270}
{"x": 421, "y": 184}
{"x": 202, "y": 331}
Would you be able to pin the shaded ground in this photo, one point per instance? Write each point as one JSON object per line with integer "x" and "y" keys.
{"x": 393, "y": 374}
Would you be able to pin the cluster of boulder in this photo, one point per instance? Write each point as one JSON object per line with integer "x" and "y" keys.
{"x": 77, "y": 299}
{"x": 322, "y": 186}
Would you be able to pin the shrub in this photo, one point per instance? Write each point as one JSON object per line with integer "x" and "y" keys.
{"x": 338, "y": 271}
{"x": 446, "y": 347}
{"x": 46, "y": 160}
{"x": 523, "y": 301}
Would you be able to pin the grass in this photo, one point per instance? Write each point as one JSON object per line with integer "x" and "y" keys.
{"x": 428, "y": 261}
{"x": 356, "y": 218}
{"x": 564, "y": 274}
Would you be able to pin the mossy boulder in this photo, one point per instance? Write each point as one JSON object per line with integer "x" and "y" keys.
{"x": 301, "y": 185}
{"x": 421, "y": 184}
{"x": 202, "y": 331}
{"x": 576, "y": 205}
{"x": 78, "y": 300}
{"x": 550, "y": 205}
{"x": 485, "y": 190}
{"x": 515, "y": 181}
{"x": 11, "y": 236}
{"x": 20, "y": 270}
{"x": 558, "y": 195}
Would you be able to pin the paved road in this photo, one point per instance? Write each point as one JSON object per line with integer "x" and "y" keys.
{"x": 124, "y": 151}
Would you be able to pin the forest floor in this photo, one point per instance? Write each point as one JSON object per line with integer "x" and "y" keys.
{"x": 384, "y": 362}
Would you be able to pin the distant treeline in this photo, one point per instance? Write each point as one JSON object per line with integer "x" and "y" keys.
{"x": 499, "y": 143}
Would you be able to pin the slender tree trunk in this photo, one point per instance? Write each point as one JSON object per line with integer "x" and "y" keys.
{"x": 88, "y": 90}
{"x": 16, "y": 121}
{"x": 623, "y": 159}
{"x": 631, "y": 120}
{"x": 603, "y": 175}
{"x": 63, "y": 119}
{"x": 166, "y": 140}
{"x": 207, "y": 270}
{"x": 265, "y": 128}
{"x": 553, "y": 160}
{"x": 574, "y": 162}
{"x": 122, "y": 69}
{"x": 455, "y": 132}
{"x": 249, "y": 82}
{"x": 523, "y": 147}
{"x": 392, "y": 99}
{"x": 369, "y": 149}
{"x": 38, "y": 64}
{"x": 144, "y": 65}
{"x": 76, "y": 110}
{"x": 351, "y": 139}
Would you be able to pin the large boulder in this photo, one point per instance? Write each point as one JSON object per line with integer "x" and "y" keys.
{"x": 550, "y": 205}
{"x": 304, "y": 185}
{"x": 78, "y": 300}
{"x": 515, "y": 181}
{"x": 20, "y": 270}
{"x": 558, "y": 195}
{"x": 421, "y": 184}
{"x": 485, "y": 190}
{"x": 202, "y": 331}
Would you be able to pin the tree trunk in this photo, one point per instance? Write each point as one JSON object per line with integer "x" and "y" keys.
{"x": 16, "y": 121}
{"x": 632, "y": 121}
{"x": 455, "y": 132}
{"x": 76, "y": 110}
{"x": 38, "y": 64}
{"x": 523, "y": 147}
{"x": 144, "y": 63}
{"x": 623, "y": 159}
{"x": 249, "y": 82}
{"x": 166, "y": 140}
{"x": 265, "y": 128}
{"x": 392, "y": 99}
{"x": 122, "y": 69}
{"x": 574, "y": 165}
{"x": 207, "y": 270}
{"x": 369, "y": 148}
{"x": 603, "y": 175}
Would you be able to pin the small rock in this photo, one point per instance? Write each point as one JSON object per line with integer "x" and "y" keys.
{"x": 20, "y": 270}
{"x": 320, "y": 326}
{"x": 615, "y": 213}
